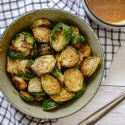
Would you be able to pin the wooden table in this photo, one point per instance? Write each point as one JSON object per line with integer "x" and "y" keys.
{"x": 112, "y": 86}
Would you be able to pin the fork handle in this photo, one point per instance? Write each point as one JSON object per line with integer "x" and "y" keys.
{"x": 102, "y": 111}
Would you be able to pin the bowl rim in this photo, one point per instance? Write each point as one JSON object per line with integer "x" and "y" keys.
{"x": 100, "y": 20}
{"x": 102, "y": 53}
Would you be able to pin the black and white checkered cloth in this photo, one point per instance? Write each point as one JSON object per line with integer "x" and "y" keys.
{"x": 110, "y": 40}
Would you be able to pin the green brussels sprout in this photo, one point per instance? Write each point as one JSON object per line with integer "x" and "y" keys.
{"x": 60, "y": 37}
{"x": 19, "y": 82}
{"x": 50, "y": 85}
{"x": 42, "y": 34}
{"x": 75, "y": 30}
{"x": 73, "y": 79}
{"x": 45, "y": 49}
{"x": 35, "y": 85}
{"x": 69, "y": 57}
{"x": 90, "y": 65}
{"x": 49, "y": 105}
{"x": 41, "y": 22}
{"x": 25, "y": 96}
{"x": 44, "y": 64}
{"x": 63, "y": 96}
{"x": 79, "y": 93}
{"x": 38, "y": 94}
{"x": 77, "y": 40}
{"x": 22, "y": 46}
{"x": 15, "y": 55}
{"x": 58, "y": 74}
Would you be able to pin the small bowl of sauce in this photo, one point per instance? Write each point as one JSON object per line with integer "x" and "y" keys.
{"x": 108, "y": 13}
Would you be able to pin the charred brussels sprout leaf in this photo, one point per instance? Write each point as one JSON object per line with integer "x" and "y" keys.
{"x": 90, "y": 65}
{"x": 58, "y": 74}
{"x": 49, "y": 104}
{"x": 25, "y": 96}
{"x": 77, "y": 40}
{"x": 60, "y": 37}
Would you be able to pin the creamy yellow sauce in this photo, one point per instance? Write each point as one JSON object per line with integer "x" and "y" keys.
{"x": 112, "y": 11}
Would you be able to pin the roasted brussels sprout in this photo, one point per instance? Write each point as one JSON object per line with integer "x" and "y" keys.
{"x": 69, "y": 57}
{"x": 12, "y": 66}
{"x": 35, "y": 85}
{"x": 63, "y": 96}
{"x": 89, "y": 65}
{"x": 85, "y": 49}
{"x": 73, "y": 79}
{"x": 44, "y": 64}
{"x": 58, "y": 74}
{"x": 22, "y": 46}
{"x": 41, "y": 22}
{"x": 49, "y": 105}
{"x": 19, "y": 82}
{"x": 50, "y": 84}
{"x": 21, "y": 68}
{"x": 45, "y": 49}
{"x": 25, "y": 96}
{"x": 60, "y": 37}
{"x": 75, "y": 31}
{"x": 42, "y": 34}
{"x": 77, "y": 40}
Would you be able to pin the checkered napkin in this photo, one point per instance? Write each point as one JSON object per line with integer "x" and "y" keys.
{"x": 110, "y": 40}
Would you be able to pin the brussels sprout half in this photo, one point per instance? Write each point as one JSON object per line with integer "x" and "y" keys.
{"x": 41, "y": 22}
{"x": 60, "y": 37}
{"x": 25, "y": 96}
{"x": 69, "y": 57}
{"x": 63, "y": 96}
{"x": 42, "y": 34}
{"x": 19, "y": 82}
{"x": 73, "y": 79}
{"x": 44, "y": 64}
{"x": 90, "y": 65}
{"x": 35, "y": 85}
{"x": 22, "y": 46}
{"x": 77, "y": 40}
{"x": 58, "y": 74}
{"x": 49, "y": 105}
{"x": 50, "y": 84}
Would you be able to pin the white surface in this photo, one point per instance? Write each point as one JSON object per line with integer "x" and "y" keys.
{"x": 112, "y": 87}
